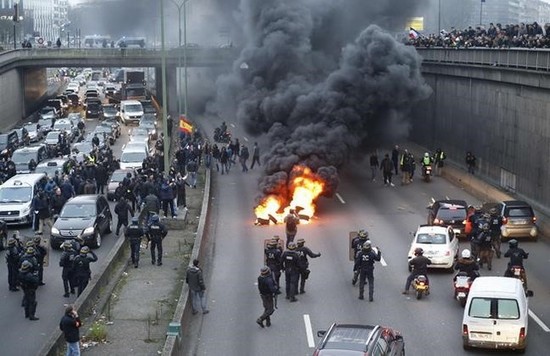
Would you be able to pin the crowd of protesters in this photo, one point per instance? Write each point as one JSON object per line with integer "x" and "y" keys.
{"x": 495, "y": 36}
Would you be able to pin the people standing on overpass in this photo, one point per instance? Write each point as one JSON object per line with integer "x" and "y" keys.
{"x": 267, "y": 288}
{"x": 194, "y": 279}
{"x": 58, "y": 42}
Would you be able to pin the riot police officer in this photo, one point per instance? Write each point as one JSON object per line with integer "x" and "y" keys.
{"x": 356, "y": 245}
{"x": 12, "y": 259}
{"x": 29, "y": 283}
{"x": 157, "y": 232}
{"x": 29, "y": 255}
{"x": 134, "y": 233}
{"x": 82, "y": 271}
{"x": 290, "y": 267}
{"x": 273, "y": 261}
{"x": 303, "y": 263}
{"x": 40, "y": 254}
{"x": 495, "y": 223}
{"x": 364, "y": 264}
{"x": 66, "y": 262}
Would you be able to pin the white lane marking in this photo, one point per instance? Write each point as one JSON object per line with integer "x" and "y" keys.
{"x": 340, "y": 198}
{"x": 538, "y": 321}
{"x": 309, "y": 331}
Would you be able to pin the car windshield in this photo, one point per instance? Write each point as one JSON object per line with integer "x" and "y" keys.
{"x": 45, "y": 110}
{"x": 78, "y": 211}
{"x": 118, "y": 176}
{"x": 30, "y": 128}
{"x": 60, "y": 125}
{"x": 494, "y": 308}
{"x": 109, "y": 110}
{"x": 436, "y": 239}
{"x": 520, "y": 212}
{"x": 23, "y": 156}
{"x": 139, "y": 132}
{"x": 133, "y": 107}
{"x": 132, "y": 156}
{"x": 15, "y": 194}
{"x": 49, "y": 170}
{"x": 52, "y": 135}
{"x": 452, "y": 213}
{"x": 353, "y": 339}
{"x": 83, "y": 147}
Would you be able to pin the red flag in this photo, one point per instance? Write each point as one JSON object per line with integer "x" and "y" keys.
{"x": 185, "y": 126}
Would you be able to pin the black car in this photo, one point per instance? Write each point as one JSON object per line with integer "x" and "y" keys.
{"x": 8, "y": 143}
{"x": 88, "y": 216}
{"x": 360, "y": 340}
{"x": 449, "y": 212}
{"x": 94, "y": 109}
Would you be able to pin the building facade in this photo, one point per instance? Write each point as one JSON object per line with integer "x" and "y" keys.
{"x": 49, "y": 18}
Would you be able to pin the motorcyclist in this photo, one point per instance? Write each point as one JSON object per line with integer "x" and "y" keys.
{"x": 419, "y": 265}
{"x": 356, "y": 245}
{"x": 426, "y": 161}
{"x": 467, "y": 264}
{"x": 516, "y": 255}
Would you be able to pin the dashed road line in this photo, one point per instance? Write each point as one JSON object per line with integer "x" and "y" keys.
{"x": 340, "y": 198}
{"x": 309, "y": 331}
{"x": 538, "y": 321}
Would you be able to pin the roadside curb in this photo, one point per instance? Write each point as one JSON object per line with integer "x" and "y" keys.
{"x": 173, "y": 343}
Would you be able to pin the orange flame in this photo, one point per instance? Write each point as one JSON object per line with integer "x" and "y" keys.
{"x": 304, "y": 186}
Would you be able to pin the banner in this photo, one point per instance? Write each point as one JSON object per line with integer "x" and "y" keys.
{"x": 185, "y": 126}
{"x": 415, "y": 22}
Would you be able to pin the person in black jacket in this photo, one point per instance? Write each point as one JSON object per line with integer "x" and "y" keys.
{"x": 364, "y": 263}
{"x": 197, "y": 288}
{"x": 70, "y": 324}
{"x": 40, "y": 254}
{"x": 267, "y": 288}
{"x": 66, "y": 262}
{"x": 122, "y": 208}
{"x": 419, "y": 265}
{"x": 134, "y": 233}
{"x": 303, "y": 263}
{"x": 273, "y": 255}
{"x": 29, "y": 283}
{"x": 292, "y": 271}
{"x": 12, "y": 259}
{"x": 82, "y": 270}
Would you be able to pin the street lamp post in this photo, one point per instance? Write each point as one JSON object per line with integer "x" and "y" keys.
{"x": 164, "y": 92}
{"x": 180, "y": 6}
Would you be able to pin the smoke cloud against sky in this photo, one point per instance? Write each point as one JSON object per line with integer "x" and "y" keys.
{"x": 321, "y": 79}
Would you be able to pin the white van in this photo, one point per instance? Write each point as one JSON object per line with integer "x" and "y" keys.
{"x": 496, "y": 315}
{"x": 132, "y": 157}
{"x": 131, "y": 111}
{"x": 16, "y": 196}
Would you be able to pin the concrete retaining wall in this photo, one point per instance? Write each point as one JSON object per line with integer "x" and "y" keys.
{"x": 501, "y": 115}
{"x": 12, "y": 103}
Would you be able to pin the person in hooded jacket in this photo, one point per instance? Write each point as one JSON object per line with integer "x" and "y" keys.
{"x": 197, "y": 288}
{"x": 166, "y": 195}
{"x": 467, "y": 264}
{"x": 70, "y": 324}
{"x": 268, "y": 289}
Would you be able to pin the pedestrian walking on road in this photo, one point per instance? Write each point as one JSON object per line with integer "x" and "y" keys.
{"x": 196, "y": 287}
{"x": 255, "y": 155}
{"x": 122, "y": 208}
{"x": 373, "y": 160}
{"x": 70, "y": 324}
{"x": 291, "y": 226}
{"x": 395, "y": 158}
{"x": 267, "y": 288}
{"x": 387, "y": 170}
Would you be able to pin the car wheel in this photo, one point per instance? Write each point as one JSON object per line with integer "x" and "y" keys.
{"x": 97, "y": 240}
{"x": 109, "y": 226}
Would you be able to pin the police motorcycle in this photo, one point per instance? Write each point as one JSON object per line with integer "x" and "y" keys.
{"x": 421, "y": 286}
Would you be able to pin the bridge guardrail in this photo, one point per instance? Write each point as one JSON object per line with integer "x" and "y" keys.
{"x": 519, "y": 58}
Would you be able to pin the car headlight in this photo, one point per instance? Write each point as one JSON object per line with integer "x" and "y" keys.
{"x": 89, "y": 111}
{"x": 55, "y": 231}
{"x": 4, "y": 152}
{"x": 88, "y": 230}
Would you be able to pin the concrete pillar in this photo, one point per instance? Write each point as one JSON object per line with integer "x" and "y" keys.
{"x": 34, "y": 88}
{"x": 172, "y": 87}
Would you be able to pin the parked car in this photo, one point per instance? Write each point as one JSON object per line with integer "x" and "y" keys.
{"x": 53, "y": 166}
{"x": 117, "y": 177}
{"x": 360, "y": 340}
{"x": 8, "y": 143}
{"x": 66, "y": 126}
{"x": 449, "y": 213}
{"x": 439, "y": 243}
{"x": 87, "y": 216}
{"x": 519, "y": 220}
{"x": 23, "y": 136}
{"x": 110, "y": 111}
{"x": 58, "y": 105}
{"x": 78, "y": 150}
{"x": 22, "y": 156}
{"x": 94, "y": 109}
{"x": 149, "y": 122}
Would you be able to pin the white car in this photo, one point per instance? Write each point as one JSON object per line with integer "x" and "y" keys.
{"x": 439, "y": 243}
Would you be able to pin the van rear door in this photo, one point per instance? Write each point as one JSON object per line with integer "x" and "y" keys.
{"x": 481, "y": 322}
{"x": 508, "y": 322}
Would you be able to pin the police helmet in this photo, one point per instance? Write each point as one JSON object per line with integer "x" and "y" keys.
{"x": 29, "y": 243}
{"x": 301, "y": 242}
{"x": 264, "y": 271}
{"x": 66, "y": 245}
{"x": 11, "y": 241}
{"x": 30, "y": 250}
{"x": 84, "y": 249}
{"x": 37, "y": 240}
{"x": 25, "y": 266}
{"x": 291, "y": 246}
{"x": 513, "y": 243}
{"x": 363, "y": 234}
{"x": 418, "y": 251}
{"x": 155, "y": 218}
{"x": 466, "y": 253}
{"x": 135, "y": 220}
{"x": 367, "y": 245}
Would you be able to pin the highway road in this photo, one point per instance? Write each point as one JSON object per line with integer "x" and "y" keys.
{"x": 20, "y": 336}
{"x": 431, "y": 326}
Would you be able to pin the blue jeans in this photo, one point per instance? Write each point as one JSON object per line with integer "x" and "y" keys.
{"x": 198, "y": 298}
{"x": 73, "y": 349}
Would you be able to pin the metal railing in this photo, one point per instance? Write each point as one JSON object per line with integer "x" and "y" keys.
{"x": 520, "y": 58}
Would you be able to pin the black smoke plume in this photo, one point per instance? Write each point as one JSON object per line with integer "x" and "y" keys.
{"x": 315, "y": 96}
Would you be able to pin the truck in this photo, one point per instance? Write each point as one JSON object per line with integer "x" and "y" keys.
{"x": 132, "y": 88}
{"x": 134, "y": 77}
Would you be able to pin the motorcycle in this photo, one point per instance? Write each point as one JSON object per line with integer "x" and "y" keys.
{"x": 519, "y": 273}
{"x": 427, "y": 173}
{"x": 462, "y": 283}
{"x": 223, "y": 137}
{"x": 421, "y": 286}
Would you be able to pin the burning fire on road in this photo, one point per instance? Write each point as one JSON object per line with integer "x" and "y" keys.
{"x": 300, "y": 193}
